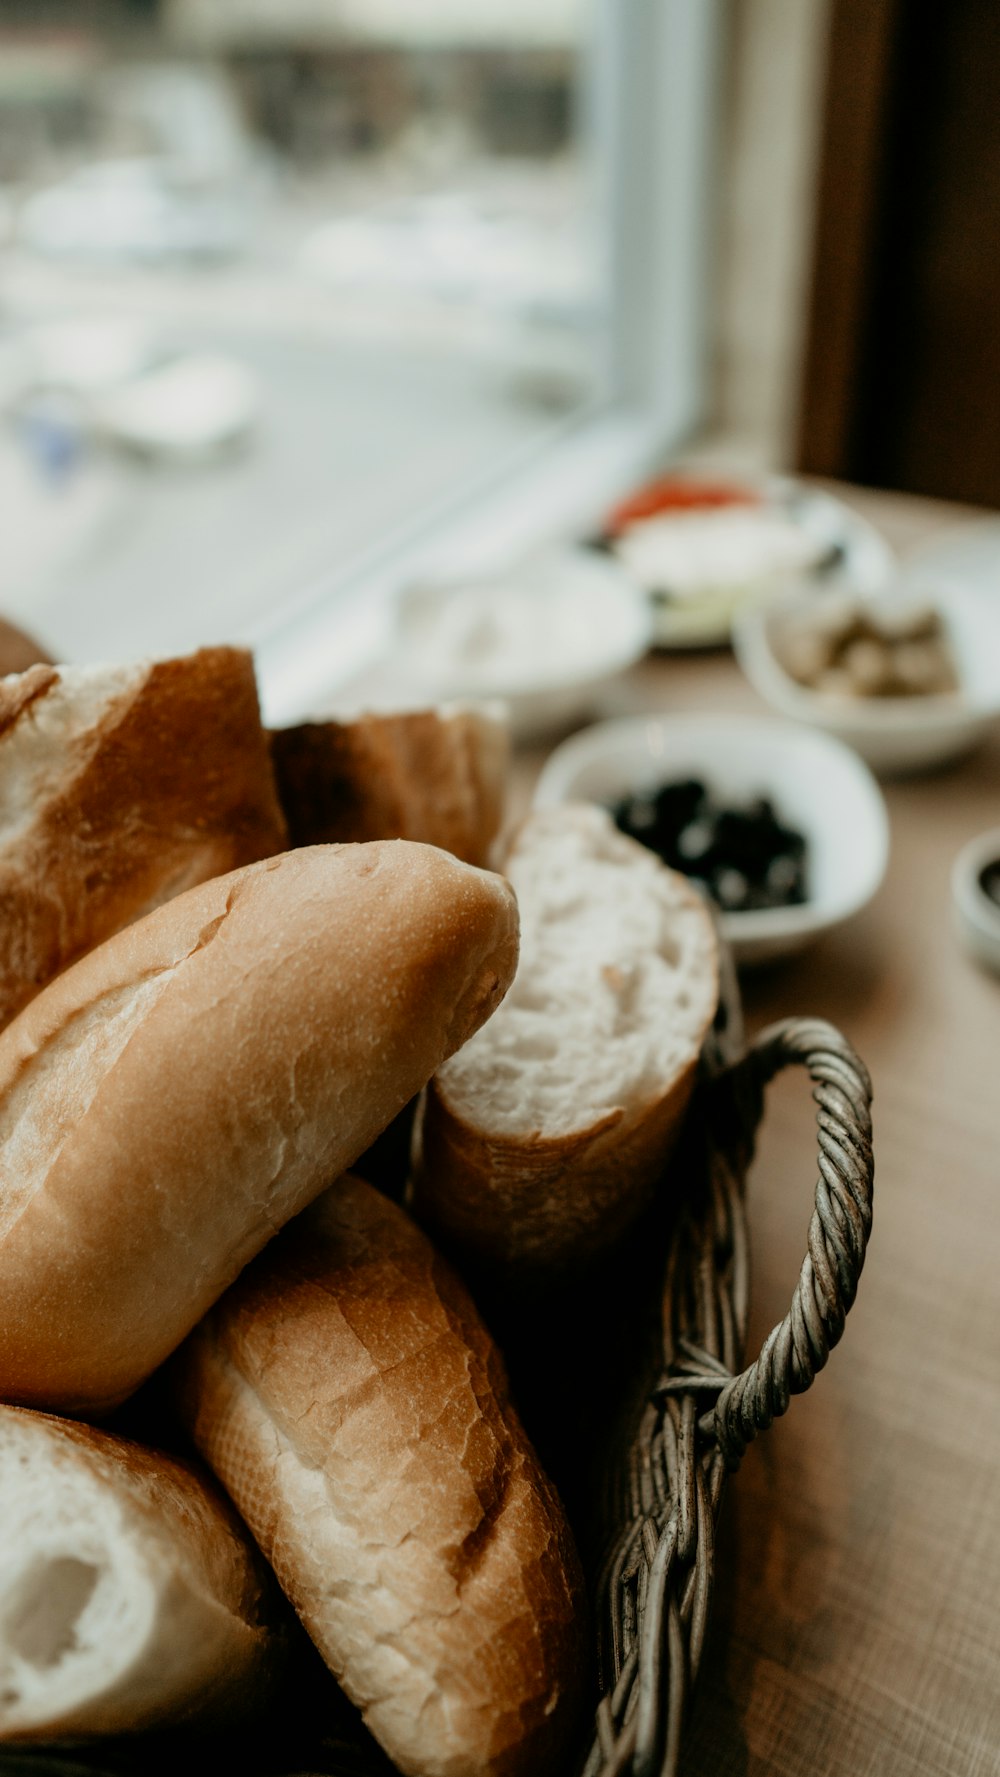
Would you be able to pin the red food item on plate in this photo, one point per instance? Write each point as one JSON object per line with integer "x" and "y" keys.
{"x": 676, "y": 493}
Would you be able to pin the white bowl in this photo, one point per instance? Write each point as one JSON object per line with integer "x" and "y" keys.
{"x": 977, "y": 915}
{"x": 546, "y": 636}
{"x": 894, "y": 734}
{"x": 817, "y": 785}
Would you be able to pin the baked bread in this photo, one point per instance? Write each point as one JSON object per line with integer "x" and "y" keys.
{"x": 354, "y": 1407}
{"x": 132, "y": 1596}
{"x": 18, "y": 650}
{"x": 542, "y": 1140}
{"x": 171, "y": 1100}
{"x": 120, "y": 786}
{"x": 435, "y": 775}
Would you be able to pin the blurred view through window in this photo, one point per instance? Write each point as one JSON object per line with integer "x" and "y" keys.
{"x": 278, "y": 276}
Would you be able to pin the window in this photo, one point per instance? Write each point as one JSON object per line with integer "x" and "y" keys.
{"x": 304, "y": 296}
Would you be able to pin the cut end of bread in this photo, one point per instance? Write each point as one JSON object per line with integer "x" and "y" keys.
{"x": 77, "y": 1608}
{"x": 120, "y": 787}
{"x": 614, "y": 991}
{"x": 542, "y": 1139}
{"x": 116, "y": 1612}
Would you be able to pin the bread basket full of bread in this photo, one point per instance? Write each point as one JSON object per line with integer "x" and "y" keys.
{"x": 373, "y": 1246}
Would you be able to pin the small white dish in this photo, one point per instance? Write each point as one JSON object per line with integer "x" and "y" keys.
{"x": 816, "y": 784}
{"x": 546, "y": 636}
{"x": 894, "y": 734}
{"x": 977, "y": 914}
{"x": 196, "y": 405}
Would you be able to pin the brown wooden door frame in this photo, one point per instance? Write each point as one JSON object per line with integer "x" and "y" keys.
{"x": 858, "y": 99}
{"x": 901, "y": 384}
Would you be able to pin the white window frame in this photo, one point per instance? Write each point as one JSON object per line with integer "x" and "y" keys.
{"x": 653, "y": 91}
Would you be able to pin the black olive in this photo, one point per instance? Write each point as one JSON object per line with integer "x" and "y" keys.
{"x": 744, "y": 857}
{"x": 695, "y": 841}
{"x": 732, "y": 890}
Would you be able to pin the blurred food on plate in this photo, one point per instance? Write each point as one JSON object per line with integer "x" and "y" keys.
{"x": 674, "y": 494}
{"x": 702, "y": 550}
{"x": 850, "y": 648}
{"x": 909, "y": 678}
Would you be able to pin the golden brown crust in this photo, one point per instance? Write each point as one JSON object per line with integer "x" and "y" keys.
{"x": 353, "y": 1405}
{"x": 168, "y": 785}
{"x": 19, "y": 650}
{"x": 431, "y": 775}
{"x": 535, "y": 1204}
{"x": 215, "y": 1641}
{"x": 170, "y": 1101}
{"x": 541, "y": 1203}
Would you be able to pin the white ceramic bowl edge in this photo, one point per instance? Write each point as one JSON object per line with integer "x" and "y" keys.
{"x": 817, "y": 785}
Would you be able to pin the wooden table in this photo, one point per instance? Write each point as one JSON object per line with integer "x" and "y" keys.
{"x": 856, "y": 1626}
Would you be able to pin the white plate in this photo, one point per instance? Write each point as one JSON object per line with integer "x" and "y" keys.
{"x": 864, "y": 559}
{"x": 546, "y": 637}
{"x": 195, "y": 405}
{"x": 892, "y": 734}
{"x": 817, "y": 786}
{"x": 977, "y": 915}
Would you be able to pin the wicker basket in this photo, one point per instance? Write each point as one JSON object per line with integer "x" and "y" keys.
{"x": 701, "y": 1411}
{"x": 691, "y": 1414}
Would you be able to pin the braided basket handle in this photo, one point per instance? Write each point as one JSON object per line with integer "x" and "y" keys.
{"x": 799, "y": 1346}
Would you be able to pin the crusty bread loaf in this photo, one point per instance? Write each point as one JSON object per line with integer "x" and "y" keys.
{"x": 18, "y": 650}
{"x": 353, "y": 1405}
{"x": 541, "y": 1141}
{"x": 183, "y": 1090}
{"x": 120, "y": 787}
{"x": 130, "y": 1595}
{"x": 436, "y": 775}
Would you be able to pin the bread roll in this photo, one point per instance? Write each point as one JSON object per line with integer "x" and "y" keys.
{"x": 130, "y": 1595}
{"x": 353, "y": 1405}
{"x": 435, "y": 775}
{"x": 18, "y": 650}
{"x": 540, "y": 1142}
{"x": 120, "y": 787}
{"x": 182, "y": 1091}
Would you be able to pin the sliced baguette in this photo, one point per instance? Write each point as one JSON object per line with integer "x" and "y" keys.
{"x": 119, "y": 788}
{"x": 130, "y": 1595}
{"x": 435, "y": 775}
{"x": 541, "y": 1141}
{"x": 18, "y": 650}
{"x": 170, "y": 1101}
{"x": 353, "y": 1405}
